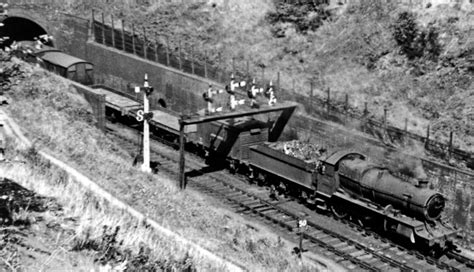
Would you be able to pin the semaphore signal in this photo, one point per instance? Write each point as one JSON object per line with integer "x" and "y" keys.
{"x": 145, "y": 115}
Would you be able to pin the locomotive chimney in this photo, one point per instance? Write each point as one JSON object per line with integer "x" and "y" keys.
{"x": 422, "y": 183}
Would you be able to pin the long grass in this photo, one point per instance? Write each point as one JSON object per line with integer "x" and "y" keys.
{"x": 58, "y": 120}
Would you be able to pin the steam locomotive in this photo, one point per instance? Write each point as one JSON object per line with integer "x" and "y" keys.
{"x": 347, "y": 184}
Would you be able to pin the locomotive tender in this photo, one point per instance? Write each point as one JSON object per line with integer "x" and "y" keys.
{"x": 345, "y": 182}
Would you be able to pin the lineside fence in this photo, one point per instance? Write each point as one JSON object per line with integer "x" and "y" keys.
{"x": 135, "y": 41}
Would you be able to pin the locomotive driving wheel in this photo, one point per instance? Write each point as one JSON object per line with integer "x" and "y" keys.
{"x": 339, "y": 211}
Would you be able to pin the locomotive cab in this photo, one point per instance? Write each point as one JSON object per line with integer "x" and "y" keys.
{"x": 327, "y": 172}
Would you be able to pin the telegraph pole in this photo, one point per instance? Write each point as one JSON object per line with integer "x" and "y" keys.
{"x": 145, "y": 116}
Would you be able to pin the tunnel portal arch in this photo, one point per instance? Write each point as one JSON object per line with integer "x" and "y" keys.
{"x": 19, "y": 28}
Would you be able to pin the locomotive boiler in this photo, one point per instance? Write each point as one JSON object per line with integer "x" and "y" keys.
{"x": 363, "y": 179}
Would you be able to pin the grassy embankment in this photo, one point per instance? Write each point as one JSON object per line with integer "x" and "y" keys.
{"x": 416, "y": 66}
{"x": 58, "y": 120}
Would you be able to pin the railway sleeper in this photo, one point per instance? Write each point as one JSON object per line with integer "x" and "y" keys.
{"x": 222, "y": 190}
{"x": 314, "y": 233}
{"x": 234, "y": 194}
{"x": 322, "y": 236}
{"x": 340, "y": 245}
{"x": 265, "y": 209}
{"x": 248, "y": 209}
{"x": 270, "y": 211}
{"x": 291, "y": 223}
{"x": 400, "y": 253}
{"x": 348, "y": 264}
{"x": 460, "y": 267}
{"x": 348, "y": 248}
{"x": 357, "y": 253}
{"x": 339, "y": 259}
{"x": 381, "y": 265}
{"x": 373, "y": 260}
{"x": 365, "y": 257}
{"x": 331, "y": 240}
{"x": 251, "y": 202}
{"x": 259, "y": 207}
{"x": 385, "y": 247}
{"x": 420, "y": 262}
{"x": 241, "y": 199}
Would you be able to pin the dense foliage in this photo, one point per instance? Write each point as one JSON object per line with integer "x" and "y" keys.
{"x": 304, "y": 16}
{"x": 414, "y": 41}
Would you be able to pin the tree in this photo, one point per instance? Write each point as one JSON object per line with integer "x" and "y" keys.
{"x": 414, "y": 41}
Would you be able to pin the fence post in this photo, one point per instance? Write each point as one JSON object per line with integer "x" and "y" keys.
{"x": 217, "y": 66}
{"x": 156, "y": 51}
{"x": 311, "y": 95}
{"x": 365, "y": 115}
{"x": 346, "y": 104}
{"x": 278, "y": 81}
{"x": 427, "y": 136}
{"x": 179, "y": 53}
{"x": 248, "y": 69}
{"x": 406, "y": 126}
{"x": 144, "y": 44}
{"x": 167, "y": 51}
{"x": 192, "y": 59}
{"x": 385, "y": 117}
{"x": 346, "y": 107}
{"x": 113, "y": 31}
{"x": 233, "y": 65}
{"x": 133, "y": 39}
{"x": 450, "y": 150}
{"x": 93, "y": 25}
{"x": 205, "y": 64}
{"x": 103, "y": 29}
{"x": 329, "y": 99}
{"x": 123, "y": 34}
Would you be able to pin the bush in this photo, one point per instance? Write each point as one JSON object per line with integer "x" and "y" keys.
{"x": 414, "y": 41}
{"x": 306, "y": 16}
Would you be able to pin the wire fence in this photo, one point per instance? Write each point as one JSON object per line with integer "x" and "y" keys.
{"x": 131, "y": 41}
{"x": 134, "y": 42}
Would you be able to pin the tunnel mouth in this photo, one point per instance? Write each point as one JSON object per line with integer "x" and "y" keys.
{"x": 21, "y": 29}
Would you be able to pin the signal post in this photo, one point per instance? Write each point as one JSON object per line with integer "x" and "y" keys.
{"x": 145, "y": 115}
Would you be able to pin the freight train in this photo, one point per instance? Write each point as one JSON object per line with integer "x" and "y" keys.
{"x": 54, "y": 60}
{"x": 342, "y": 182}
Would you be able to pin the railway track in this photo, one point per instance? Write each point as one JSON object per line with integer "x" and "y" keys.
{"x": 367, "y": 252}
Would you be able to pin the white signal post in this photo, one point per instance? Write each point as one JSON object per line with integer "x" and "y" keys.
{"x": 146, "y": 128}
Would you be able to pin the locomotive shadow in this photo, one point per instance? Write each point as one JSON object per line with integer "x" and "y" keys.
{"x": 204, "y": 170}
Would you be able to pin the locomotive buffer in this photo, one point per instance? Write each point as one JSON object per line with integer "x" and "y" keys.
{"x": 287, "y": 108}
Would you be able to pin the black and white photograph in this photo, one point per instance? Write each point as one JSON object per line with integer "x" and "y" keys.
{"x": 236, "y": 135}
